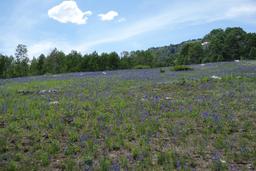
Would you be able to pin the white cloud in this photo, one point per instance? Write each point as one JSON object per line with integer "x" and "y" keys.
{"x": 69, "y": 12}
{"x": 193, "y": 14}
{"x": 173, "y": 17}
{"x": 121, "y": 20}
{"x": 244, "y": 10}
{"x": 108, "y": 16}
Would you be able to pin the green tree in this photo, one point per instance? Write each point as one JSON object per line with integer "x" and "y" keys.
{"x": 103, "y": 62}
{"x": 73, "y": 61}
{"x": 191, "y": 53}
{"x": 252, "y": 54}
{"x": 84, "y": 63}
{"x": 113, "y": 61}
{"x": 235, "y": 40}
{"x": 41, "y": 66}
{"x": 21, "y": 53}
{"x": 125, "y": 61}
{"x": 142, "y": 58}
{"x": 34, "y": 67}
{"x": 250, "y": 44}
{"x": 21, "y": 62}
{"x": 2, "y": 65}
{"x": 55, "y": 62}
{"x": 215, "y": 49}
{"x": 93, "y": 62}
{"x": 6, "y": 66}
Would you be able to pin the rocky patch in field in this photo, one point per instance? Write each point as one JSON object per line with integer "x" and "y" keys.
{"x": 40, "y": 92}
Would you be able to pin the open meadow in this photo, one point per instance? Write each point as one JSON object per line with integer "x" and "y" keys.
{"x": 202, "y": 119}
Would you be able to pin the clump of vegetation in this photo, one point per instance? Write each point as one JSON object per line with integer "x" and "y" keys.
{"x": 181, "y": 68}
{"x": 142, "y": 67}
{"x": 162, "y": 70}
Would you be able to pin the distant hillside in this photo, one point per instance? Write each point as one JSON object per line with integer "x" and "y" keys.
{"x": 166, "y": 52}
{"x": 219, "y": 45}
{"x": 171, "y": 49}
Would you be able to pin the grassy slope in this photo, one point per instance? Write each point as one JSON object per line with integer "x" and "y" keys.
{"x": 109, "y": 123}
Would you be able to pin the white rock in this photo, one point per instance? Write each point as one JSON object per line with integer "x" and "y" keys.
{"x": 202, "y": 64}
{"x": 237, "y": 60}
{"x": 42, "y": 91}
{"x": 104, "y": 73}
{"x": 52, "y": 91}
{"x": 216, "y": 77}
{"x": 223, "y": 161}
{"x": 204, "y": 43}
{"x": 168, "y": 98}
{"x": 54, "y": 103}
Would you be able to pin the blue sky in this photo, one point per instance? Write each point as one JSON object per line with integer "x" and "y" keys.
{"x": 115, "y": 25}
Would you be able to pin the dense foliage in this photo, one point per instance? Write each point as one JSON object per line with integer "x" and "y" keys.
{"x": 181, "y": 68}
{"x": 219, "y": 45}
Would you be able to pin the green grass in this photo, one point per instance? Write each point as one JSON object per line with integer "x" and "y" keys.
{"x": 106, "y": 123}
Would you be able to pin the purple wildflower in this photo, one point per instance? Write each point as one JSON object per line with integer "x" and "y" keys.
{"x": 215, "y": 117}
{"x": 144, "y": 116}
{"x": 231, "y": 117}
{"x": 115, "y": 167}
{"x": 4, "y": 108}
{"x": 216, "y": 156}
{"x": 84, "y": 138}
{"x": 205, "y": 115}
{"x": 178, "y": 165}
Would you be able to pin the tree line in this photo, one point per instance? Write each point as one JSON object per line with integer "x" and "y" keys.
{"x": 219, "y": 45}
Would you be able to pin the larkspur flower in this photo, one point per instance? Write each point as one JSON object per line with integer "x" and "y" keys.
{"x": 216, "y": 156}
{"x": 144, "y": 116}
{"x": 4, "y": 108}
{"x": 205, "y": 115}
{"x": 115, "y": 167}
{"x": 231, "y": 117}
{"x": 178, "y": 165}
{"x": 216, "y": 118}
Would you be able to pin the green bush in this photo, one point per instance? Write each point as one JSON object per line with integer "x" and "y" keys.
{"x": 181, "y": 68}
{"x": 44, "y": 158}
{"x": 70, "y": 165}
{"x": 105, "y": 164}
{"x": 164, "y": 158}
{"x": 3, "y": 144}
{"x": 12, "y": 166}
{"x": 162, "y": 70}
{"x": 141, "y": 67}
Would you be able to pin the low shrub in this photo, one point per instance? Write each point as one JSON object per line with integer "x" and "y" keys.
{"x": 141, "y": 67}
{"x": 181, "y": 68}
{"x": 162, "y": 70}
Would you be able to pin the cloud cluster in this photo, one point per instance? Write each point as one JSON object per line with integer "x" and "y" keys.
{"x": 69, "y": 12}
{"x": 172, "y": 17}
{"x": 108, "y": 16}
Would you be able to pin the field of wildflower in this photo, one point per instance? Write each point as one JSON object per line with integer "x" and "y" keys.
{"x": 201, "y": 119}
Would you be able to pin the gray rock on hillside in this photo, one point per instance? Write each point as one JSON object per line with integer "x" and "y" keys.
{"x": 41, "y": 92}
